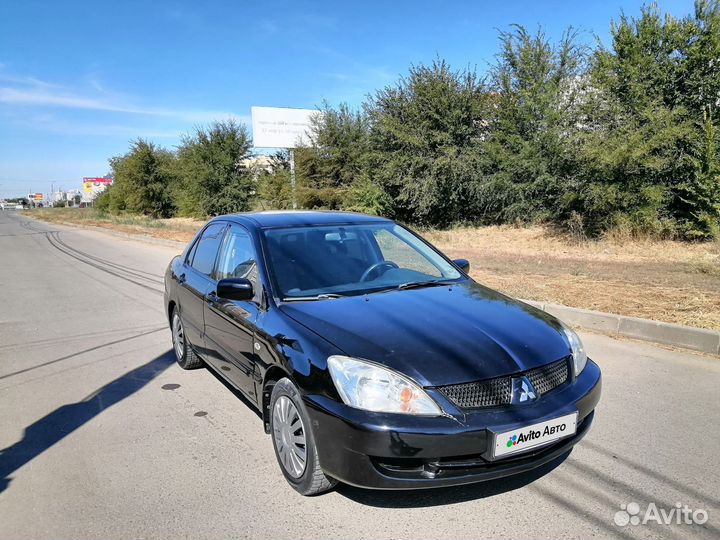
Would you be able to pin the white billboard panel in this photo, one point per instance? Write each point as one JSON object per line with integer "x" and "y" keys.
{"x": 276, "y": 127}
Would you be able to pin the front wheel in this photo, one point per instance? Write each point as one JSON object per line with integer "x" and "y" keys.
{"x": 184, "y": 353}
{"x": 293, "y": 441}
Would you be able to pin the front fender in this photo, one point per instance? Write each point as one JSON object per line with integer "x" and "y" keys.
{"x": 285, "y": 348}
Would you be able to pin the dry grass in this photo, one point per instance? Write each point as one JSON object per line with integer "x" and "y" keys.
{"x": 181, "y": 229}
{"x": 662, "y": 280}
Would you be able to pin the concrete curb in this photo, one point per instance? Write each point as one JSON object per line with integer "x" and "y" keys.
{"x": 697, "y": 339}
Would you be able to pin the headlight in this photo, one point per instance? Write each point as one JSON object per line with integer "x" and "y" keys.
{"x": 365, "y": 385}
{"x": 576, "y": 348}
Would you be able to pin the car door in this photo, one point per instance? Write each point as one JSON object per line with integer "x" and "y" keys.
{"x": 195, "y": 281}
{"x": 230, "y": 324}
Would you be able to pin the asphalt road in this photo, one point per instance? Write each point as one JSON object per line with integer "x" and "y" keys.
{"x": 103, "y": 436}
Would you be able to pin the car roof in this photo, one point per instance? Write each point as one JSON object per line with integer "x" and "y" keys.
{"x": 299, "y": 218}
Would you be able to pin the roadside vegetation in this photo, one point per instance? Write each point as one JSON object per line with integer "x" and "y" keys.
{"x": 593, "y": 140}
{"x": 180, "y": 229}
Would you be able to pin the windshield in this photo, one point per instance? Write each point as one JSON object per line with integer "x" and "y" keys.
{"x": 343, "y": 260}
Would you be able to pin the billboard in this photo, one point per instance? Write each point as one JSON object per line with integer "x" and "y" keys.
{"x": 36, "y": 196}
{"x": 277, "y": 127}
{"x": 93, "y": 184}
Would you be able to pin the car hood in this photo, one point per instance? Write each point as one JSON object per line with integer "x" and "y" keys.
{"x": 437, "y": 335}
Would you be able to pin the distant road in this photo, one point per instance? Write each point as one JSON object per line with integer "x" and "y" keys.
{"x": 104, "y": 437}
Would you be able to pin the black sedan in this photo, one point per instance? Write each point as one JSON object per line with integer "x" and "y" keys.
{"x": 374, "y": 359}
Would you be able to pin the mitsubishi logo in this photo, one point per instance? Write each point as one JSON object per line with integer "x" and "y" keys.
{"x": 522, "y": 390}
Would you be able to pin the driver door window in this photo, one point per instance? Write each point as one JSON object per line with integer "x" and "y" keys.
{"x": 238, "y": 258}
{"x": 398, "y": 251}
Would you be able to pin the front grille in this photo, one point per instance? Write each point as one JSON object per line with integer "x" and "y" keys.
{"x": 489, "y": 393}
{"x": 548, "y": 377}
{"x": 498, "y": 391}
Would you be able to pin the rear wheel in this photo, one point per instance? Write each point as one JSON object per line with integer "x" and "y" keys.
{"x": 184, "y": 353}
{"x": 293, "y": 441}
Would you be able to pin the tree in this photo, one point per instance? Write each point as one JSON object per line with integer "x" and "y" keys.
{"x": 334, "y": 158}
{"x": 143, "y": 179}
{"x": 339, "y": 138}
{"x": 212, "y": 178}
{"x": 274, "y": 188}
{"x": 650, "y": 157}
{"x": 529, "y": 158}
{"x": 424, "y": 138}
{"x": 367, "y": 197}
{"x": 699, "y": 200}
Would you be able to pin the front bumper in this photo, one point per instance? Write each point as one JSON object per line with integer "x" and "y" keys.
{"x": 390, "y": 451}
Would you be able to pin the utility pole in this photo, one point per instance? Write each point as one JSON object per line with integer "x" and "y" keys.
{"x": 292, "y": 178}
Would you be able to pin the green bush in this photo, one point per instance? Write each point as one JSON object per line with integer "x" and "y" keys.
{"x": 274, "y": 190}
{"x": 367, "y": 197}
{"x": 143, "y": 179}
{"x": 102, "y": 201}
{"x": 211, "y": 178}
{"x": 425, "y": 143}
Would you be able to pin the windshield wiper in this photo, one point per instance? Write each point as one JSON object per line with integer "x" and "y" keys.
{"x": 418, "y": 284}
{"x": 324, "y": 296}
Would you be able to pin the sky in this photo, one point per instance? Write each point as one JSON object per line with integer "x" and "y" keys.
{"x": 80, "y": 80}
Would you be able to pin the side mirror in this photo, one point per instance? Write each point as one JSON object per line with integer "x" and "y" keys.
{"x": 463, "y": 264}
{"x": 235, "y": 289}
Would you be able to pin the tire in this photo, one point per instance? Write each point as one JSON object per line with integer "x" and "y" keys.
{"x": 288, "y": 416}
{"x": 184, "y": 353}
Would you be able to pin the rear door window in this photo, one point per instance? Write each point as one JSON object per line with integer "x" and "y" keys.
{"x": 206, "y": 249}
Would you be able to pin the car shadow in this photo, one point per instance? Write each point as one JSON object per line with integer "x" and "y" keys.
{"x": 55, "y": 426}
{"x": 422, "y": 498}
{"x": 237, "y": 393}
